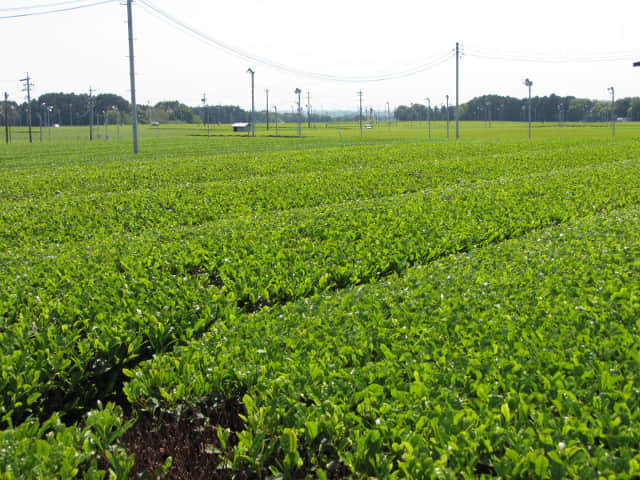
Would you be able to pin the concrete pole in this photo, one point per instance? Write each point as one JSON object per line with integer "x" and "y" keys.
{"x": 457, "y": 90}
{"x": 447, "y": 117}
{"x": 429, "y": 115}
{"x": 613, "y": 111}
{"x": 134, "y": 107}
{"x": 6, "y": 116}
{"x": 253, "y": 127}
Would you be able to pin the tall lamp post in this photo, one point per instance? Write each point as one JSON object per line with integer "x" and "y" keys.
{"x": 429, "y": 115}
{"x": 389, "y": 115}
{"x": 528, "y": 83}
{"x": 253, "y": 127}
{"x": 43, "y": 118}
{"x": 49, "y": 110}
{"x": 298, "y": 92}
{"x": 636, "y": 64}
{"x": 447, "y": 116}
{"x": 612, "y": 91}
{"x": 105, "y": 114}
{"x": 115, "y": 107}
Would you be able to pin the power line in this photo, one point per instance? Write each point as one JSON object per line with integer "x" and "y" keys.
{"x": 59, "y": 10}
{"x": 392, "y": 75}
{"x": 37, "y": 7}
{"x": 539, "y": 57}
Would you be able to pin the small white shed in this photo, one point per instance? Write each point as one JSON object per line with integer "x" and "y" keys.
{"x": 241, "y": 127}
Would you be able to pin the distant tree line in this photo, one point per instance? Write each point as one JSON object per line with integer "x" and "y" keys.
{"x": 72, "y": 109}
{"x": 231, "y": 114}
{"x": 543, "y": 109}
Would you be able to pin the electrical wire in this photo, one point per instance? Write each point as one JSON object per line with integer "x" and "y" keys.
{"x": 392, "y": 75}
{"x": 56, "y": 10}
{"x": 36, "y": 7}
{"x": 512, "y": 56}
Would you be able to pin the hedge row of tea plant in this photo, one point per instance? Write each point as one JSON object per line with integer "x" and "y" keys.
{"x": 517, "y": 360}
{"x": 109, "y": 262}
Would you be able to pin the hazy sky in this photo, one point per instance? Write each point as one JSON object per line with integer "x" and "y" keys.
{"x": 503, "y": 43}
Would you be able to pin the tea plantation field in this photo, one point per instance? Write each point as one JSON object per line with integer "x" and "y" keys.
{"x": 283, "y": 307}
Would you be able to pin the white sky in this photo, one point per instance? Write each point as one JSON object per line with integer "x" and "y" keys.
{"x": 68, "y": 52}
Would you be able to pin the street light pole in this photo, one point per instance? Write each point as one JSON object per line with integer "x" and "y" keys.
{"x": 6, "y": 117}
{"x": 429, "y": 115}
{"x": 611, "y": 90}
{"x": 115, "y": 107}
{"x": 253, "y": 127}
{"x": 529, "y": 83}
{"x": 49, "y": 119}
{"x": 447, "y": 117}
{"x": 267, "y": 109}
{"x": 43, "y": 118}
{"x": 389, "y": 115}
{"x": 275, "y": 112}
{"x": 298, "y": 92}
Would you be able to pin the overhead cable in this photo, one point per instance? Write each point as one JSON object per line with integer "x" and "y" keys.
{"x": 539, "y": 57}
{"x": 56, "y": 10}
{"x": 41, "y": 6}
{"x": 428, "y": 64}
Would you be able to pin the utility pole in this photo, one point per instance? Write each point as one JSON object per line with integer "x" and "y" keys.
{"x": 360, "y": 95}
{"x": 529, "y": 83}
{"x": 134, "y": 107}
{"x": 105, "y": 114}
{"x": 429, "y": 115}
{"x": 457, "y": 90}
{"x": 308, "y": 109}
{"x": 90, "y": 113}
{"x": 28, "y": 85}
{"x": 298, "y": 92}
{"x": 267, "y": 109}
{"x": 611, "y": 90}
{"x": 253, "y": 127}
{"x": 71, "y": 115}
{"x": 6, "y": 116}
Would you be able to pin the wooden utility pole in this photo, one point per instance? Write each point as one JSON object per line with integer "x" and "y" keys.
{"x": 308, "y": 109}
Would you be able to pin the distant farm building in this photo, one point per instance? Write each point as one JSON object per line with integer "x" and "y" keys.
{"x": 241, "y": 127}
